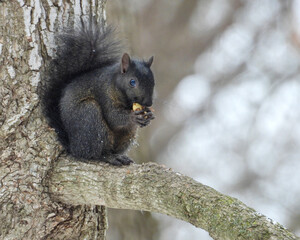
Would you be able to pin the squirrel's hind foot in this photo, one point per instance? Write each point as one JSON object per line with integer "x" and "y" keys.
{"x": 117, "y": 160}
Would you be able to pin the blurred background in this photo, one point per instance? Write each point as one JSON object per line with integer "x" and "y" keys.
{"x": 227, "y": 103}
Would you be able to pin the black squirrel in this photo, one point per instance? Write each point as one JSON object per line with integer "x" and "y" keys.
{"x": 88, "y": 93}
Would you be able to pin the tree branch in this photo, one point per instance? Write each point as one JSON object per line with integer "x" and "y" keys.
{"x": 154, "y": 188}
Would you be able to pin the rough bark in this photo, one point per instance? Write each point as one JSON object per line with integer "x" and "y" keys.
{"x": 28, "y": 147}
{"x": 151, "y": 187}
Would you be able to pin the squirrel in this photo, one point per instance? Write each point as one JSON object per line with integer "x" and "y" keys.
{"x": 89, "y": 90}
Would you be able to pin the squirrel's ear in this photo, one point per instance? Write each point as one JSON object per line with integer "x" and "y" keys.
{"x": 125, "y": 63}
{"x": 149, "y": 62}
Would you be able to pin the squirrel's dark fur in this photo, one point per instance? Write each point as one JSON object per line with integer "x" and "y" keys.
{"x": 88, "y": 93}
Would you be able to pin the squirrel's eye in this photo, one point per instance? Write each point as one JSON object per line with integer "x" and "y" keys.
{"x": 132, "y": 83}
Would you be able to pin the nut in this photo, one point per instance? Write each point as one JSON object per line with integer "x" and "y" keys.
{"x": 137, "y": 107}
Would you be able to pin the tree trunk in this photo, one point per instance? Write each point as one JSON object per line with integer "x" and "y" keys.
{"x": 28, "y": 148}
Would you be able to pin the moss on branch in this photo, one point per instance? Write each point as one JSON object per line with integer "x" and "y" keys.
{"x": 154, "y": 188}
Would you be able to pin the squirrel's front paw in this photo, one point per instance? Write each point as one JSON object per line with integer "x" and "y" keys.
{"x": 142, "y": 117}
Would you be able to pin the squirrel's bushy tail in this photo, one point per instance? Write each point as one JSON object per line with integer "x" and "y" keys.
{"x": 81, "y": 50}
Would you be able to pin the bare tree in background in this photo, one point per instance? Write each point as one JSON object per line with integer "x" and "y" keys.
{"x": 45, "y": 194}
{"x": 242, "y": 52}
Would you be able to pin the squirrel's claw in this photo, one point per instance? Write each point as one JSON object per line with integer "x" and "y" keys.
{"x": 143, "y": 119}
{"x": 117, "y": 160}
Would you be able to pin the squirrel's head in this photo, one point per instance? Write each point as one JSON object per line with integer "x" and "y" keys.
{"x": 136, "y": 80}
